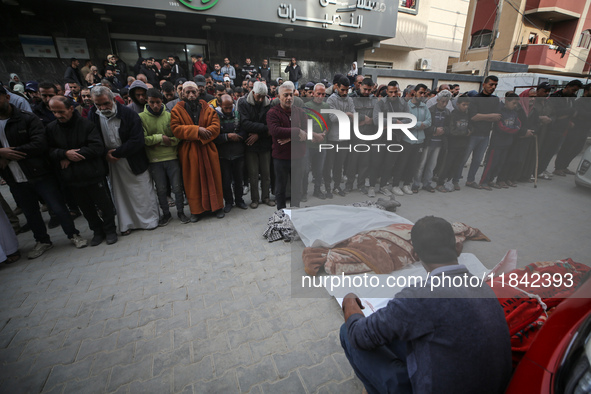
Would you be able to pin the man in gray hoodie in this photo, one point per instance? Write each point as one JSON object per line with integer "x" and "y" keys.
{"x": 138, "y": 95}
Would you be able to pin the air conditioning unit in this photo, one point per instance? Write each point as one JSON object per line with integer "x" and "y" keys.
{"x": 424, "y": 64}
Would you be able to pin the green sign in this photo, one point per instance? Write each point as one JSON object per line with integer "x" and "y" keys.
{"x": 199, "y": 5}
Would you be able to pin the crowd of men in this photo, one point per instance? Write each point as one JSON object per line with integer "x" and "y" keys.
{"x": 209, "y": 142}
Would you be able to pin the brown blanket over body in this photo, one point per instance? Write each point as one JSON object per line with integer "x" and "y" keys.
{"x": 381, "y": 250}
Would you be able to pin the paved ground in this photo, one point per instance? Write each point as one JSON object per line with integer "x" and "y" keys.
{"x": 207, "y": 307}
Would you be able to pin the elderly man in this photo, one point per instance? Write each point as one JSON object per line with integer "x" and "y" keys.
{"x": 76, "y": 150}
{"x": 133, "y": 191}
{"x": 253, "y": 122}
{"x": 287, "y": 124}
{"x": 447, "y": 339}
{"x": 197, "y": 124}
{"x": 230, "y": 144}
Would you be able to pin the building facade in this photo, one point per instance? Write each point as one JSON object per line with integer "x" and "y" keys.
{"x": 549, "y": 36}
{"x": 428, "y": 40}
{"x": 324, "y": 35}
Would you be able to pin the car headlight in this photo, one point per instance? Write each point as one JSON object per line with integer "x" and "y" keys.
{"x": 574, "y": 375}
{"x": 584, "y": 167}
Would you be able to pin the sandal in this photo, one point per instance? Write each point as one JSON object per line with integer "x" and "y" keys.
{"x": 512, "y": 184}
{"x": 441, "y": 188}
{"x": 495, "y": 185}
{"x": 486, "y": 187}
{"x": 12, "y": 258}
{"x": 124, "y": 233}
{"x": 457, "y": 186}
{"x": 474, "y": 185}
{"x": 503, "y": 185}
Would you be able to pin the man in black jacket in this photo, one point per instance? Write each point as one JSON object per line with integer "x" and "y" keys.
{"x": 577, "y": 135}
{"x": 294, "y": 71}
{"x": 248, "y": 70}
{"x": 133, "y": 191}
{"x": 151, "y": 72}
{"x": 24, "y": 167}
{"x": 76, "y": 151}
{"x": 253, "y": 122}
{"x": 73, "y": 72}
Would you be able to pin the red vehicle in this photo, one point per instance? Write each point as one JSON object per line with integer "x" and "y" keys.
{"x": 559, "y": 357}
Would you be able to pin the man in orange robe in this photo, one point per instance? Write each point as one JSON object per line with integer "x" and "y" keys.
{"x": 197, "y": 124}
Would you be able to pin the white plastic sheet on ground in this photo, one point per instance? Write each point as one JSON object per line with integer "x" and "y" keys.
{"x": 327, "y": 225}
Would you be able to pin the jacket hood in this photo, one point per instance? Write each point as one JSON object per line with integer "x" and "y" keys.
{"x": 218, "y": 109}
{"x": 250, "y": 100}
{"x": 137, "y": 84}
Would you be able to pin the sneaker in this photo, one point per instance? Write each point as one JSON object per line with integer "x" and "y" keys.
{"x": 545, "y": 176}
{"x": 407, "y": 190}
{"x": 548, "y": 173}
{"x": 164, "y": 220}
{"x": 39, "y": 249}
{"x": 183, "y": 218}
{"x": 371, "y": 192}
{"x": 220, "y": 214}
{"x": 268, "y": 201}
{"x": 227, "y": 208}
{"x": 97, "y": 239}
{"x": 254, "y": 205}
{"x": 339, "y": 192}
{"x": 318, "y": 194}
{"x": 53, "y": 222}
{"x": 78, "y": 241}
{"x": 304, "y": 198}
{"x": 386, "y": 192}
{"x": 194, "y": 218}
{"x": 396, "y": 190}
{"x": 112, "y": 238}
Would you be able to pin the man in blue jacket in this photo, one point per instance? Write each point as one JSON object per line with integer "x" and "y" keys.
{"x": 447, "y": 339}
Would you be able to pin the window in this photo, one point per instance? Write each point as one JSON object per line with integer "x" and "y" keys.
{"x": 585, "y": 40}
{"x": 533, "y": 38}
{"x": 481, "y": 39}
{"x": 409, "y": 6}
{"x": 380, "y": 65}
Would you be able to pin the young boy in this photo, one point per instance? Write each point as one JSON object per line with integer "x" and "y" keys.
{"x": 503, "y": 134}
{"x": 161, "y": 148}
{"x": 457, "y": 142}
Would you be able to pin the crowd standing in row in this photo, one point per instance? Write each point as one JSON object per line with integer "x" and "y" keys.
{"x": 204, "y": 139}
